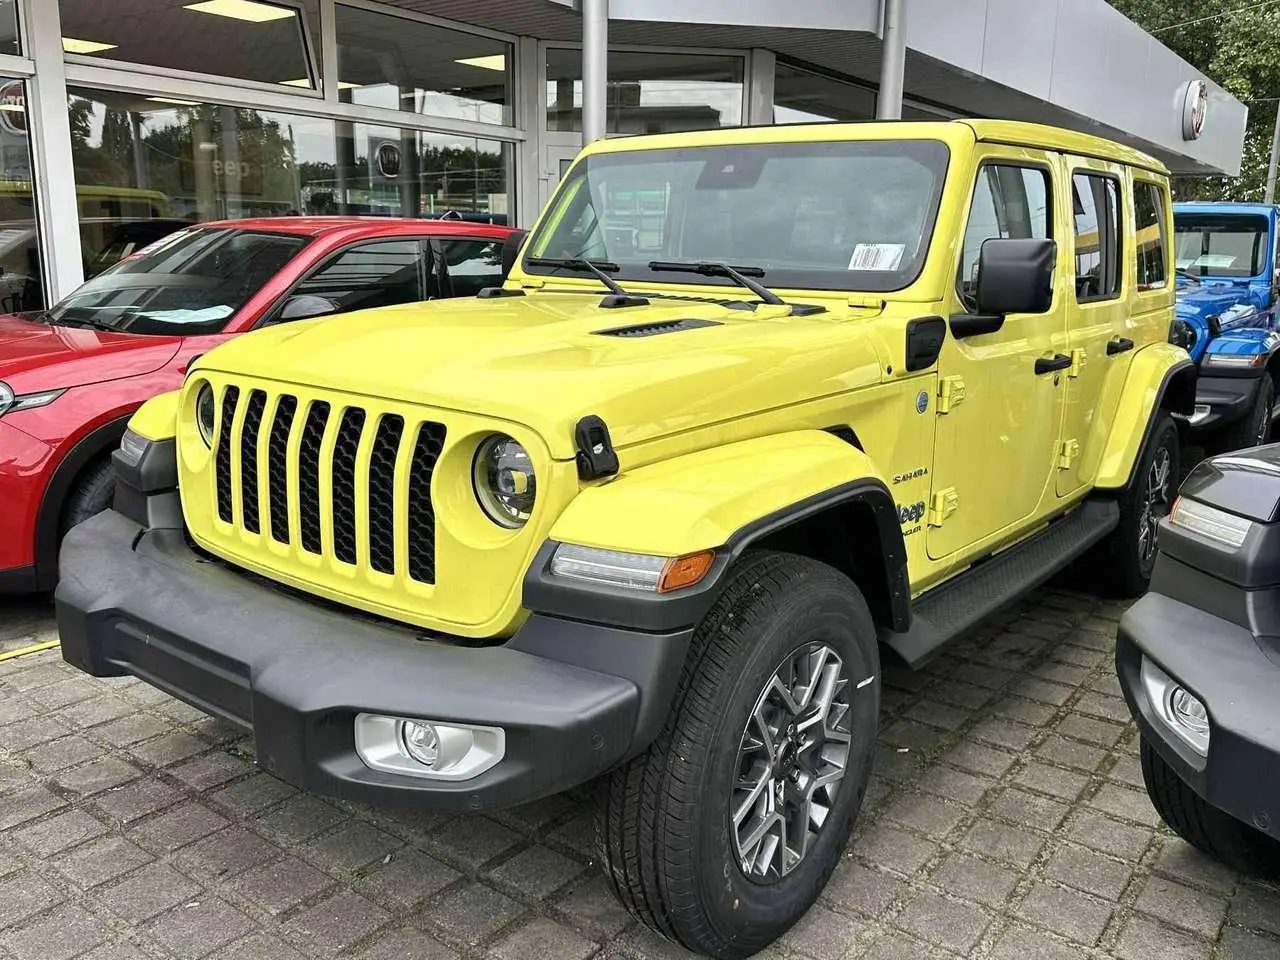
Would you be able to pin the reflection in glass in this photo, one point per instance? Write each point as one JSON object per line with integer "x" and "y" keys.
{"x": 649, "y": 92}
{"x": 9, "y": 44}
{"x": 21, "y": 286}
{"x": 149, "y": 162}
{"x": 401, "y": 64}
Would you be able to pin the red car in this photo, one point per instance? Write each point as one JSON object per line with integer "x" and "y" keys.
{"x": 70, "y": 377}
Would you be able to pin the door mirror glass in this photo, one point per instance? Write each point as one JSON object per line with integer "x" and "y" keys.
{"x": 1016, "y": 276}
{"x": 307, "y": 305}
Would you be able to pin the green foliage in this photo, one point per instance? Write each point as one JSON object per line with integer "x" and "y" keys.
{"x": 1238, "y": 46}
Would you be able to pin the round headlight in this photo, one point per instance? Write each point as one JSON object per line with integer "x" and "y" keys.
{"x": 204, "y": 413}
{"x": 502, "y": 474}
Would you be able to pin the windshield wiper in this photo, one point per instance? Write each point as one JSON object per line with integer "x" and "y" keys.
{"x": 739, "y": 275}
{"x": 602, "y": 269}
{"x": 83, "y": 322}
{"x": 1184, "y": 272}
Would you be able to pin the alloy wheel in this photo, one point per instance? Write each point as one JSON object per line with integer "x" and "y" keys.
{"x": 1155, "y": 503}
{"x": 791, "y": 761}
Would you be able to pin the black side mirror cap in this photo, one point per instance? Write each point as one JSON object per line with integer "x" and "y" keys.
{"x": 511, "y": 250}
{"x": 1016, "y": 276}
{"x": 307, "y": 305}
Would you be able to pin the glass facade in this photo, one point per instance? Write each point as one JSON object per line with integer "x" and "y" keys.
{"x": 402, "y": 64}
{"x": 9, "y": 42}
{"x": 21, "y": 284}
{"x": 153, "y": 158}
{"x": 649, "y": 92}
{"x": 259, "y": 40}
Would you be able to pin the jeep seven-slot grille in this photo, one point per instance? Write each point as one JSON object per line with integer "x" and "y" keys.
{"x": 336, "y": 472}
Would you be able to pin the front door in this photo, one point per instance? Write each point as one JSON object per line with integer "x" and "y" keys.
{"x": 1098, "y": 310}
{"x": 998, "y": 418}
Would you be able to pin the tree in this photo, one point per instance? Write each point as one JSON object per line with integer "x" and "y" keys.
{"x": 1237, "y": 44}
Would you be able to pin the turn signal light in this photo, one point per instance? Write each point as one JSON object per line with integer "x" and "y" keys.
{"x": 680, "y": 572}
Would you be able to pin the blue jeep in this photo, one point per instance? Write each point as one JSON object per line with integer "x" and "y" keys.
{"x": 1228, "y": 280}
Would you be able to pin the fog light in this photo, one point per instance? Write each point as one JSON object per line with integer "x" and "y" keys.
{"x": 421, "y": 742}
{"x": 427, "y": 748}
{"x": 1178, "y": 709}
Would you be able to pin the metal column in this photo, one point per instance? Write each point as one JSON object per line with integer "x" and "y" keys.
{"x": 1275, "y": 156}
{"x": 893, "y": 59}
{"x": 595, "y": 71}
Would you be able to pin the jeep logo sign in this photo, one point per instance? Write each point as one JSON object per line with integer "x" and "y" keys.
{"x": 13, "y": 108}
{"x": 1195, "y": 104}
{"x": 388, "y": 160}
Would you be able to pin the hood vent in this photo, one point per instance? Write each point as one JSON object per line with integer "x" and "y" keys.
{"x": 656, "y": 329}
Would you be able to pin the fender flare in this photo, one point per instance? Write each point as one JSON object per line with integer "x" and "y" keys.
{"x": 99, "y": 441}
{"x": 860, "y": 488}
{"x": 1175, "y": 394}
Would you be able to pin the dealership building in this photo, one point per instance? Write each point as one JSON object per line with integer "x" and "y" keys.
{"x": 117, "y": 113}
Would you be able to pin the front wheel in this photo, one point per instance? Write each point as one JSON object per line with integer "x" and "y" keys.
{"x": 1146, "y": 501}
{"x": 723, "y": 833}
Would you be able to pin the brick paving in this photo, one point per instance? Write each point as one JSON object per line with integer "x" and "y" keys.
{"x": 1007, "y": 820}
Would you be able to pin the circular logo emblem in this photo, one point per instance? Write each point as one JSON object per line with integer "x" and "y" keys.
{"x": 13, "y": 108}
{"x": 922, "y": 402}
{"x": 1195, "y": 105}
{"x": 388, "y": 160}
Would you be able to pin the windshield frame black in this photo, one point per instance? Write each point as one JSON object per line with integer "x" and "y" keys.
{"x": 1188, "y": 224}
{"x": 636, "y": 272}
{"x": 63, "y": 313}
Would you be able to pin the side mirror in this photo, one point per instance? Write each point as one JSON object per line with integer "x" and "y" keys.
{"x": 511, "y": 250}
{"x": 1014, "y": 276}
{"x": 307, "y": 305}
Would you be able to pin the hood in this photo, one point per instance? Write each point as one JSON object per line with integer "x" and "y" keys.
{"x": 38, "y": 356}
{"x": 1211, "y": 299}
{"x": 549, "y": 359}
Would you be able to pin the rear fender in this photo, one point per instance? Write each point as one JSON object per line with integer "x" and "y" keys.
{"x": 1161, "y": 379}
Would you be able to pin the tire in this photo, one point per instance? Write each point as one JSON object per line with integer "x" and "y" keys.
{"x": 1132, "y": 545}
{"x": 91, "y": 495}
{"x": 1253, "y": 429}
{"x": 667, "y": 840}
{"x": 1224, "y": 838}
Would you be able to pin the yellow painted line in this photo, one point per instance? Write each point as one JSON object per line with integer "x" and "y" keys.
{"x": 23, "y": 651}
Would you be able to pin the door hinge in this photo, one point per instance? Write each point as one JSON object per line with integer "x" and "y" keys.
{"x": 1068, "y": 450}
{"x": 950, "y": 392}
{"x": 943, "y": 505}
{"x": 1078, "y": 357}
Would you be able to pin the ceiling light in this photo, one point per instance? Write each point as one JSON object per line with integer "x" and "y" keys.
{"x": 495, "y": 62}
{"x": 250, "y": 10}
{"x": 306, "y": 84}
{"x": 13, "y": 107}
{"x": 72, "y": 45}
{"x": 175, "y": 102}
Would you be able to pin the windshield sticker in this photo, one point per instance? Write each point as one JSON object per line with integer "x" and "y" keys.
{"x": 877, "y": 256}
{"x": 191, "y": 316}
{"x": 1222, "y": 261}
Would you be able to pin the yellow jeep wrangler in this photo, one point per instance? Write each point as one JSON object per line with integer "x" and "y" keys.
{"x": 755, "y": 409}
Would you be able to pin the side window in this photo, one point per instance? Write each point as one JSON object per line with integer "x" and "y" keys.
{"x": 1152, "y": 233}
{"x": 1096, "y": 200}
{"x": 377, "y": 274}
{"x": 1008, "y": 203}
{"x": 472, "y": 265}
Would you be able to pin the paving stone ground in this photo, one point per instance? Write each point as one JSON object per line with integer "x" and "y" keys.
{"x": 1007, "y": 820}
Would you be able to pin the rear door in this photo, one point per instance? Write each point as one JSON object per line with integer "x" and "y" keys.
{"x": 1097, "y": 310}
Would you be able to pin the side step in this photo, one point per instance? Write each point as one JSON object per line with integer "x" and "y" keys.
{"x": 959, "y": 604}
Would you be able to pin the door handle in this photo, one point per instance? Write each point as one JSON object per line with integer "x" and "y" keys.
{"x": 1118, "y": 345}
{"x": 1049, "y": 364}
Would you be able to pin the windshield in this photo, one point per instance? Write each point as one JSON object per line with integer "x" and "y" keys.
{"x": 841, "y": 215}
{"x": 1221, "y": 245}
{"x": 190, "y": 282}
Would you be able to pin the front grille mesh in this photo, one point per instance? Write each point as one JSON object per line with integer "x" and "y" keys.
{"x": 333, "y": 472}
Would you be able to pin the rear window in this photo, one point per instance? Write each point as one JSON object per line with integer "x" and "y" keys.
{"x": 1153, "y": 234}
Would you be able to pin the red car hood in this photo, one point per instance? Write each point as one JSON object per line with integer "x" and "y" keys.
{"x": 38, "y": 356}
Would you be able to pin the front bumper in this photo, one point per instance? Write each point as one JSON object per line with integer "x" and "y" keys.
{"x": 574, "y": 699}
{"x": 1223, "y": 665}
{"x": 1221, "y": 401}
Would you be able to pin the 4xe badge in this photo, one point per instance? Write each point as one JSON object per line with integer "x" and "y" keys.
{"x": 922, "y": 402}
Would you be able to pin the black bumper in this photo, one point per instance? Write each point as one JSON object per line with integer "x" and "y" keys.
{"x": 1228, "y": 400}
{"x": 574, "y": 699}
{"x": 1222, "y": 664}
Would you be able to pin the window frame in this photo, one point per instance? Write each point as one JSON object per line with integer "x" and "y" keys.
{"x": 271, "y": 317}
{"x": 1166, "y": 235}
{"x": 446, "y": 278}
{"x": 1051, "y": 209}
{"x": 1119, "y": 259}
